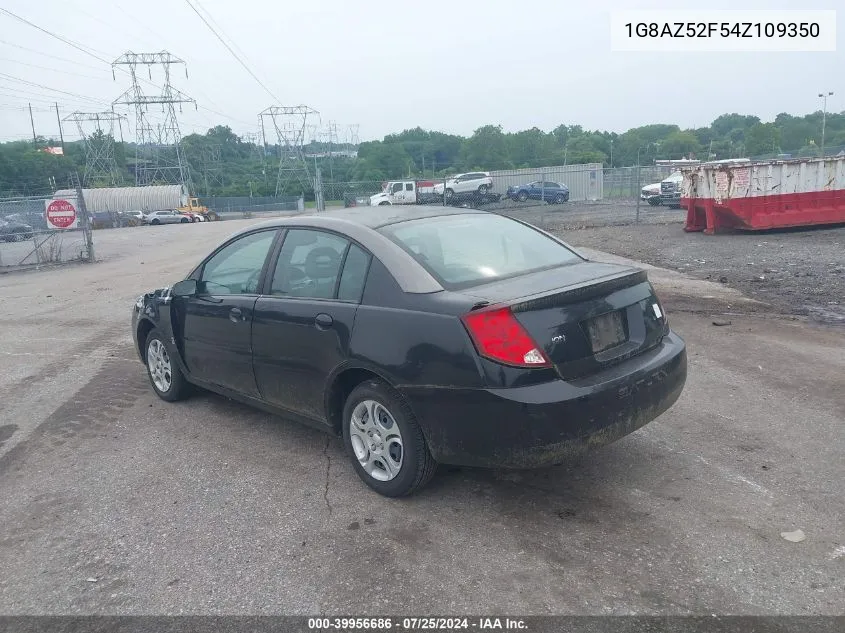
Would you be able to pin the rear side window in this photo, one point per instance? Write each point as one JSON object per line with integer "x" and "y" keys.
{"x": 354, "y": 275}
{"x": 471, "y": 249}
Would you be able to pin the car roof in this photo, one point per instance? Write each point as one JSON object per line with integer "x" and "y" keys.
{"x": 372, "y": 217}
{"x": 361, "y": 224}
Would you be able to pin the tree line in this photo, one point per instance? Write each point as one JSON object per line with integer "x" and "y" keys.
{"x": 222, "y": 163}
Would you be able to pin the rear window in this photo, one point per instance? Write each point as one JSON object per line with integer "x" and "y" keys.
{"x": 467, "y": 250}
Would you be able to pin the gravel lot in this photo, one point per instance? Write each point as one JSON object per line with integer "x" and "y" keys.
{"x": 798, "y": 272}
{"x": 114, "y": 502}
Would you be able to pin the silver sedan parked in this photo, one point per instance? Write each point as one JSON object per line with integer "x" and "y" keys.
{"x": 166, "y": 217}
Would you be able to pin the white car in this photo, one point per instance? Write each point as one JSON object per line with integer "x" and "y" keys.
{"x": 476, "y": 181}
{"x": 166, "y": 217}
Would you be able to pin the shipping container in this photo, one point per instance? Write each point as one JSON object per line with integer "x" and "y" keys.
{"x": 764, "y": 195}
{"x": 123, "y": 199}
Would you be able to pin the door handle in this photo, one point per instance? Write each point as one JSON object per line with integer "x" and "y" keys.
{"x": 323, "y": 321}
{"x": 236, "y": 315}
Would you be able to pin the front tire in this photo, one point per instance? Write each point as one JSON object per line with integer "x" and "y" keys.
{"x": 155, "y": 222}
{"x": 384, "y": 204}
{"x": 184, "y": 221}
{"x": 164, "y": 374}
{"x": 449, "y": 194}
{"x": 384, "y": 440}
{"x": 559, "y": 199}
{"x": 522, "y": 196}
{"x": 655, "y": 202}
{"x": 482, "y": 189}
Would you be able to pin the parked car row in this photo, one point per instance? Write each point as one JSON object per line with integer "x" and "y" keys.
{"x": 472, "y": 189}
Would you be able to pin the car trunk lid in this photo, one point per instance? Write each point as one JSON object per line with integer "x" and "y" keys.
{"x": 585, "y": 316}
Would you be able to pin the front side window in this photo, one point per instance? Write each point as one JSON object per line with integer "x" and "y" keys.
{"x": 471, "y": 249}
{"x": 308, "y": 264}
{"x": 236, "y": 268}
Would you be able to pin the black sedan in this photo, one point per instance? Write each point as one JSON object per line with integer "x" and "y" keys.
{"x": 420, "y": 335}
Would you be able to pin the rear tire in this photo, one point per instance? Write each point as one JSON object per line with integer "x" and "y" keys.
{"x": 382, "y": 436}
{"x": 165, "y": 376}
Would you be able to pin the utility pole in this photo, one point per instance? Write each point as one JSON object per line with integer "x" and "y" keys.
{"x": 86, "y": 219}
{"x": 61, "y": 135}
{"x": 639, "y": 186}
{"x": 32, "y": 121}
{"x": 824, "y": 115}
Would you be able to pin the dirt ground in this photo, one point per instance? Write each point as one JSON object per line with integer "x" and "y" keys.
{"x": 797, "y": 272}
{"x": 114, "y": 502}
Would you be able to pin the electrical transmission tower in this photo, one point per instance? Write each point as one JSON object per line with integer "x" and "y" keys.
{"x": 158, "y": 155}
{"x": 207, "y": 164}
{"x": 97, "y": 132}
{"x": 352, "y": 135}
{"x": 290, "y": 125}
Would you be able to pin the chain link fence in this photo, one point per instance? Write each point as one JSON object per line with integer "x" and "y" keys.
{"x": 583, "y": 183}
{"x": 230, "y": 207}
{"x": 26, "y": 241}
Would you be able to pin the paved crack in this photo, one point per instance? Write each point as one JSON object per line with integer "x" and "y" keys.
{"x": 328, "y": 470}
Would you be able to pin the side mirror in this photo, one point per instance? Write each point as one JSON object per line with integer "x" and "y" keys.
{"x": 184, "y": 288}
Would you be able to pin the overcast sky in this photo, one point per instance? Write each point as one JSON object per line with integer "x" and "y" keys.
{"x": 387, "y": 65}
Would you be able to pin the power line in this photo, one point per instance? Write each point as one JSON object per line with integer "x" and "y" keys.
{"x": 37, "y": 52}
{"x": 55, "y": 70}
{"x": 229, "y": 48}
{"x": 14, "y": 92}
{"x": 78, "y": 47}
{"x": 43, "y": 87}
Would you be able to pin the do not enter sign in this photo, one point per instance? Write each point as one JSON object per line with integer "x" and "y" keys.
{"x": 61, "y": 214}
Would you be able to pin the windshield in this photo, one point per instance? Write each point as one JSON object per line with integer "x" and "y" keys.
{"x": 471, "y": 249}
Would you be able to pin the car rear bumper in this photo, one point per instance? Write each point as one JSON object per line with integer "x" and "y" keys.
{"x": 549, "y": 423}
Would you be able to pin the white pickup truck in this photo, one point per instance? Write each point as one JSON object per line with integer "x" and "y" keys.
{"x": 406, "y": 192}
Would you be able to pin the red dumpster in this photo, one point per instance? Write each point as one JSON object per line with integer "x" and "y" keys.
{"x": 765, "y": 194}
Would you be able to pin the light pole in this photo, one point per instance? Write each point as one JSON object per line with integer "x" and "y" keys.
{"x": 824, "y": 115}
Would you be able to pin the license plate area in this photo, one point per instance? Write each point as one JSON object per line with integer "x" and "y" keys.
{"x": 606, "y": 331}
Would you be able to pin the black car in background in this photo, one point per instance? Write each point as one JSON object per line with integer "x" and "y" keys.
{"x": 421, "y": 335}
{"x": 15, "y": 231}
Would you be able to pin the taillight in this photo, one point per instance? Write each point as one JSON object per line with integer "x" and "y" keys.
{"x": 500, "y": 337}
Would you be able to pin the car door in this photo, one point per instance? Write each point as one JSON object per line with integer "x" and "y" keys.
{"x": 304, "y": 320}
{"x": 534, "y": 190}
{"x": 215, "y": 324}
